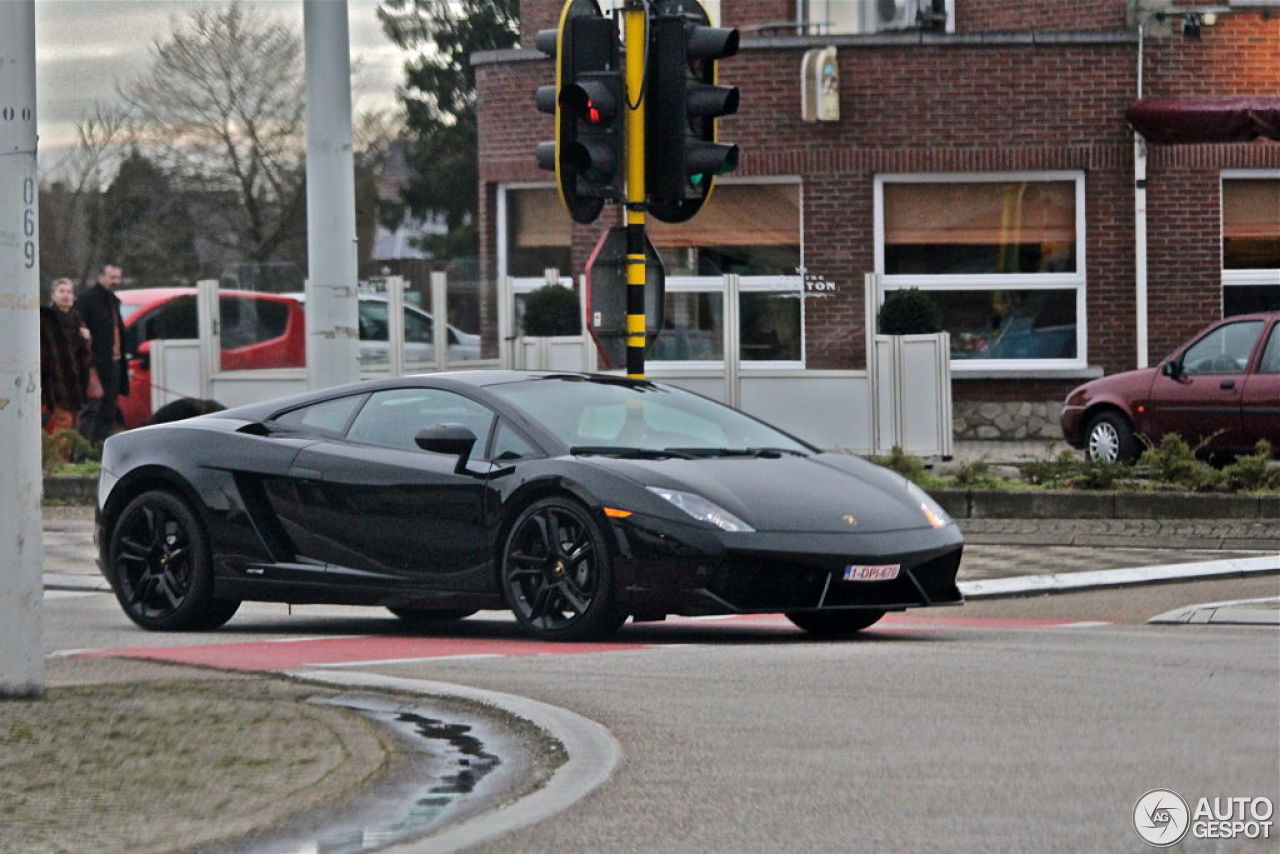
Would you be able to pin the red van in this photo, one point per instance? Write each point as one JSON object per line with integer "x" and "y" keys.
{"x": 257, "y": 331}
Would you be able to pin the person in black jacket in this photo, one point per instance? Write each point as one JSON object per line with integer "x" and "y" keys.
{"x": 99, "y": 308}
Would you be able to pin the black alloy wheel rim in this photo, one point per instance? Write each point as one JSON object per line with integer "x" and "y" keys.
{"x": 552, "y": 570}
{"x": 153, "y": 562}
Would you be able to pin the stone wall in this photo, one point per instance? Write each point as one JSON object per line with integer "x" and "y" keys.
{"x": 975, "y": 419}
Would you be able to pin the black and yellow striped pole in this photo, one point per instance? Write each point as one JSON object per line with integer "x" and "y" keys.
{"x": 635, "y": 26}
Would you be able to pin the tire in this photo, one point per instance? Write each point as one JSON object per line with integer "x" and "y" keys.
{"x": 426, "y": 616}
{"x": 556, "y": 574}
{"x": 834, "y": 624}
{"x": 159, "y": 565}
{"x": 1109, "y": 439}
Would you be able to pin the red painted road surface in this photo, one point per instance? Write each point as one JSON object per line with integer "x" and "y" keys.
{"x": 289, "y": 654}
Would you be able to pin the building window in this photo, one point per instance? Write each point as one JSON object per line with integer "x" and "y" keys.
{"x": 1002, "y": 255}
{"x": 1250, "y": 242}
{"x": 750, "y": 229}
{"x": 854, "y": 17}
{"x": 539, "y": 232}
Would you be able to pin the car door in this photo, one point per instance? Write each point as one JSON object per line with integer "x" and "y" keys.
{"x": 381, "y": 509}
{"x": 1260, "y": 402}
{"x": 287, "y": 492}
{"x": 1202, "y": 398}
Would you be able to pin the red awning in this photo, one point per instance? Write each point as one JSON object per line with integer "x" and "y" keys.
{"x": 1173, "y": 121}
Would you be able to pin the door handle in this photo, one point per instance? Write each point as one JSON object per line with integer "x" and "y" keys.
{"x": 1227, "y": 384}
{"x": 307, "y": 474}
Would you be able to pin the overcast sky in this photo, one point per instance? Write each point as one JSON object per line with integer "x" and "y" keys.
{"x": 83, "y": 47}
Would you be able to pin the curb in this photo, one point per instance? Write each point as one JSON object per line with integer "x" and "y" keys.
{"x": 1031, "y": 585}
{"x": 1082, "y": 504}
{"x": 65, "y": 581}
{"x": 1237, "y": 613}
{"x": 593, "y": 754}
{"x": 76, "y": 489}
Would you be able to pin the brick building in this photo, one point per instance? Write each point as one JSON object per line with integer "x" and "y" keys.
{"x": 985, "y": 158}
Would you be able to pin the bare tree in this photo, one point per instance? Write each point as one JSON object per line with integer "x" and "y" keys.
{"x": 221, "y": 110}
{"x": 71, "y": 224}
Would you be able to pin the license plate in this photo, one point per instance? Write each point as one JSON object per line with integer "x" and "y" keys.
{"x": 883, "y": 572}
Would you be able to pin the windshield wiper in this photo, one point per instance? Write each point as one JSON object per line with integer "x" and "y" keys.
{"x": 631, "y": 453}
{"x": 768, "y": 453}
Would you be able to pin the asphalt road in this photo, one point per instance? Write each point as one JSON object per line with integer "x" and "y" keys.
{"x": 1014, "y": 725}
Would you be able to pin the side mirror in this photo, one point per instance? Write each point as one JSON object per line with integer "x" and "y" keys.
{"x": 452, "y": 439}
{"x": 1172, "y": 369}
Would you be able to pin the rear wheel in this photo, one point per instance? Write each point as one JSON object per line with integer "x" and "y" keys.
{"x": 556, "y": 573}
{"x": 831, "y": 624}
{"x": 423, "y": 616}
{"x": 1110, "y": 439}
{"x": 160, "y": 566}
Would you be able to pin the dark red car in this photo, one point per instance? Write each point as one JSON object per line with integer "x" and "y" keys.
{"x": 1223, "y": 383}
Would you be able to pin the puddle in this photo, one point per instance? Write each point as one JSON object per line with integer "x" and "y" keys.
{"x": 445, "y": 770}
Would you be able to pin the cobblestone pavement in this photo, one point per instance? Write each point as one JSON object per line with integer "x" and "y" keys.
{"x": 1247, "y": 534}
{"x": 996, "y": 548}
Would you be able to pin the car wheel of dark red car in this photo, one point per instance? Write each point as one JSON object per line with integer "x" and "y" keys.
{"x": 1110, "y": 439}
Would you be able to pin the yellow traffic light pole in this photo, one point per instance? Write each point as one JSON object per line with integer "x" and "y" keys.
{"x": 635, "y": 25}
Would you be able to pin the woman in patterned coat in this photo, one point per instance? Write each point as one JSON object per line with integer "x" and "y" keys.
{"x": 66, "y": 364}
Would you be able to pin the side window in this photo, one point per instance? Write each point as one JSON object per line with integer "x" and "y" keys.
{"x": 1225, "y": 350}
{"x": 373, "y": 320}
{"x": 417, "y": 327}
{"x": 324, "y": 419}
{"x": 1270, "y": 363}
{"x": 392, "y": 418}
{"x": 173, "y": 319}
{"x": 511, "y": 445}
{"x": 244, "y": 321}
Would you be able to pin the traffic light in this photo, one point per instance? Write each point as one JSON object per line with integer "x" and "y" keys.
{"x": 587, "y": 101}
{"x": 682, "y": 154}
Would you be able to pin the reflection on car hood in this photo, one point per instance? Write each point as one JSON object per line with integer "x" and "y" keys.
{"x": 825, "y": 493}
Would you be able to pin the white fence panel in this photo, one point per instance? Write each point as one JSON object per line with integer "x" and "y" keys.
{"x": 828, "y": 409}
{"x": 913, "y": 394}
{"x": 175, "y": 370}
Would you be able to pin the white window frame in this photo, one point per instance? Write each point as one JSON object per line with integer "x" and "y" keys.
{"x": 1237, "y": 278}
{"x": 1076, "y": 280}
{"x": 679, "y": 284}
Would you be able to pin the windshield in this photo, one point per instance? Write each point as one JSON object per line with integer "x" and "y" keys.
{"x": 599, "y": 416}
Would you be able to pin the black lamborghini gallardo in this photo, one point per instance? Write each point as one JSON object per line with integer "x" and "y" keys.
{"x": 574, "y": 500}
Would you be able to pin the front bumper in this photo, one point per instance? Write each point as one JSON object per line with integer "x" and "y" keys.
{"x": 671, "y": 568}
{"x": 1072, "y": 421}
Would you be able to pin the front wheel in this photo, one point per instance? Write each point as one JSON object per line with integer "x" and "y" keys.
{"x": 556, "y": 574}
{"x": 831, "y": 624}
{"x": 160, "y": 567}
{"x": 1110, "y": 439}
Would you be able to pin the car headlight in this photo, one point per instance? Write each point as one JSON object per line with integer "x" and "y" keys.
{"x": 702, "y": 509}
{"x": 932, "y": 510}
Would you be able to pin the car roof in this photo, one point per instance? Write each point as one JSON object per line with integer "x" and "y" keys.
{"x": 145, "y": 296}
{"x": 447, "y": 380}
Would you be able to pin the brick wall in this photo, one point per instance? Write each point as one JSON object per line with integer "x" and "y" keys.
{"x": 1239, "y": 55}
{"x": 989, "y": 107}
{"x": 1040, "y": 15}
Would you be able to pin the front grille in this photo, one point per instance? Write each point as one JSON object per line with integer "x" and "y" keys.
{"x": 756, "y": 584}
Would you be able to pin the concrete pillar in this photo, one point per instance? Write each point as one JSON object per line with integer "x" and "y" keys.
{"x": 333, "y": 344}
{"x": 21, "y": 539}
